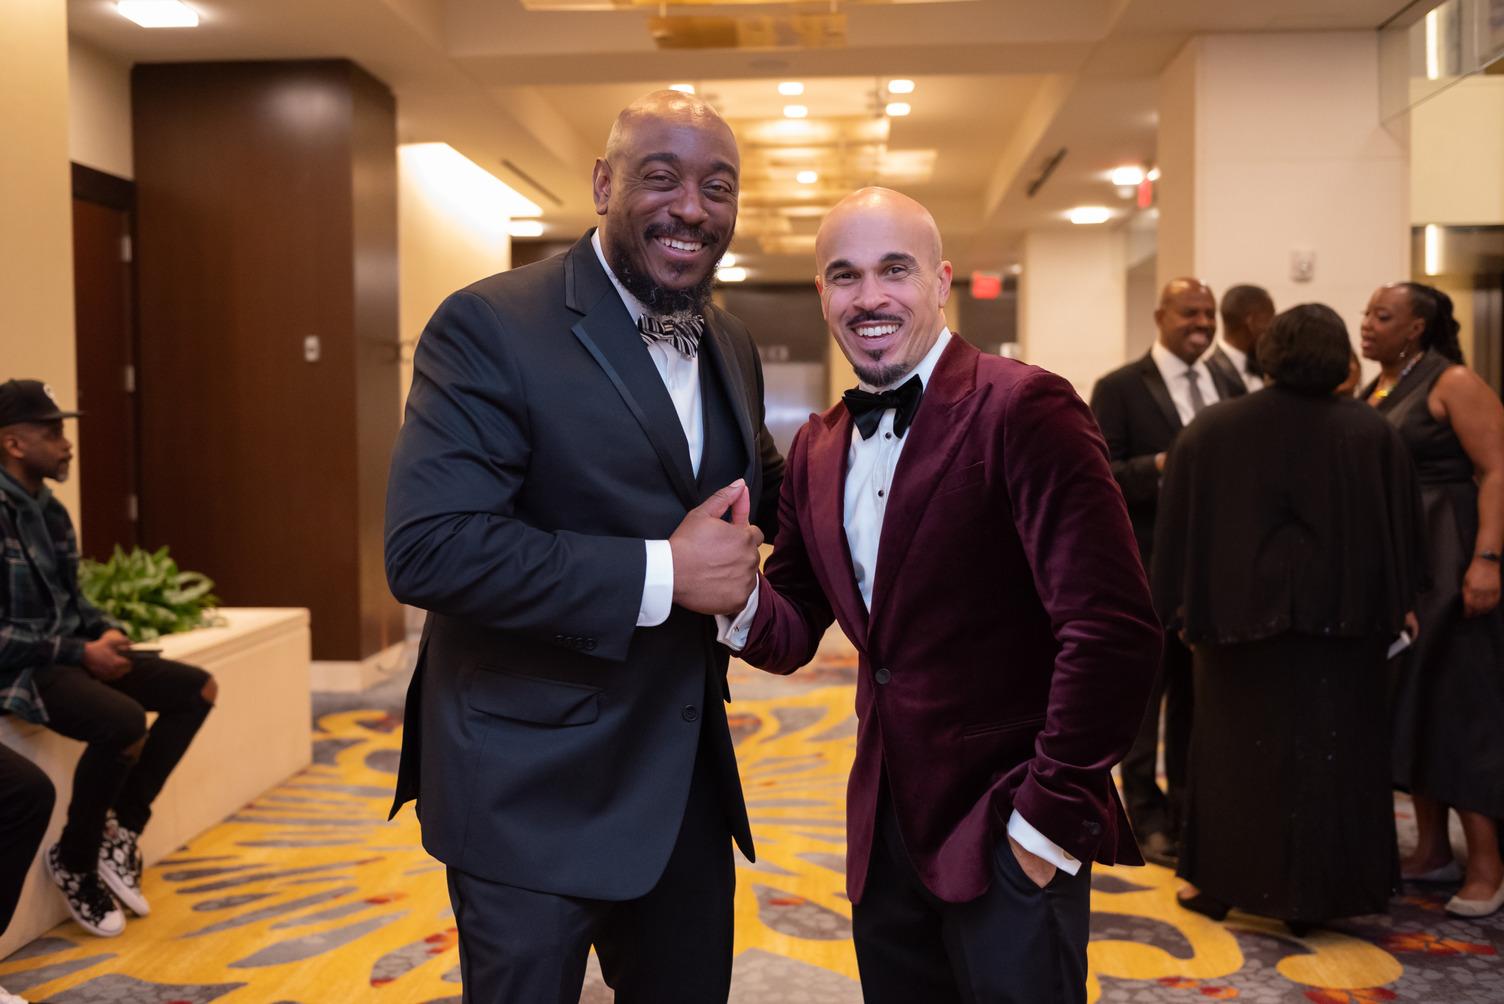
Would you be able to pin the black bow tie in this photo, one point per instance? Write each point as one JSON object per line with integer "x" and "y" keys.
{"x": 683, "y": 335}
{"x": 867, "y": 408}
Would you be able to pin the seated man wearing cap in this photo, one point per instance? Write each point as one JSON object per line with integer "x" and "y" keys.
{"x": 65, "y": 665}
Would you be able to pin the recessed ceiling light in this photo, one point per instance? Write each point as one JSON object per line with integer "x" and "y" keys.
{"x": 795, "y": 111}
{"x": 1127, "y": 177}
{"x": 807, "y": 177}
{"x": 897, "y": 109}
{"x": 1015, "y": 269}
{"x": 1089, "y": 214}
{"x": 525, "y": 228}
{"x": 727, "y": 260}
{"x": 733, "y": 274}
{"x": 682, "y": 88}
{"x": 791, "y": 88}
{"x": 158, "y": 13}
{"x": 900, "y": 87}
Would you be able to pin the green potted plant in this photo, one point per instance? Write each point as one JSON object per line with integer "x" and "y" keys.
{"x": 147, "y": 593}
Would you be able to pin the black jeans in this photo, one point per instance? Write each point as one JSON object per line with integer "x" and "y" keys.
{"x": 110, "y": 718}
{"x": 26, "y": 798}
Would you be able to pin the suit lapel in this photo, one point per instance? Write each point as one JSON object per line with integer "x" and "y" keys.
{"x": 1225, "y": 376}
{"x": 715, "y": 344}
{"x": 607, "y": 333}
{"x": 1148, "y": 371}
{"x": 940, "y": 426}
{"x": 826, "y": 479}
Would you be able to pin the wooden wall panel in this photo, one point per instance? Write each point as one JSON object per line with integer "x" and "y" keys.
{"x": 248, "y": 209}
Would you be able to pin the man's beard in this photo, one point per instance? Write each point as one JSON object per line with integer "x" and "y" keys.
{"x": 876, "y": 373}
{"x": 678, "y": 304}
{"x": 879, "y": 374}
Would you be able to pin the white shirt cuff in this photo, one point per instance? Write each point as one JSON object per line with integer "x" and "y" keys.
{"x": 657, "y": 584}
{"x": 1037, "y": 843}
{"x": 733, "y": 633}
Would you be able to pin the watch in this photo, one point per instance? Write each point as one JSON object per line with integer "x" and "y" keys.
{"x": 1489, "y": 556}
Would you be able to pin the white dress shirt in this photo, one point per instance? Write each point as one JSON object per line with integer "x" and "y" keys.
{"x": 1174, "y": 371}
{"x": 1240, "y": 362}
{"x": 682, "y": 378}
{"x": 869, "y": 481}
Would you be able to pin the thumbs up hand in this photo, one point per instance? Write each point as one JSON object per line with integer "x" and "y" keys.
{"x": 715, "y": 559}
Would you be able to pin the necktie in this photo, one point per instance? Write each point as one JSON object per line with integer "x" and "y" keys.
{"x": 1252, "y": 366}
{"x": 867, "y": 408}
{"x": 1197, "y": 401}
{"x": 683, "y": 335}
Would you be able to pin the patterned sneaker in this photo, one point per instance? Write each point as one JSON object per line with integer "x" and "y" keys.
{"x": 120, "y": 866}
{"x": 87, "y": 898}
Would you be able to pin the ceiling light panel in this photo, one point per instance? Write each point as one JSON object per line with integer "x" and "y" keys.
{"x": 900, "y": 87}
{"x": 158, "y": 13}
{"x": 897, "y": 109}
{"x": 1089, "y": 215}
{"x": 791, "y": 88}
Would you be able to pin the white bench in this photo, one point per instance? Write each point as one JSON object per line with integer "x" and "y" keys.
{"x": 259, "y": 734}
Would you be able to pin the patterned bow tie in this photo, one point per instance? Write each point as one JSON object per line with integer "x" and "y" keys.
{"x": 683, "y": 335}
{"x": 867, "y": 408}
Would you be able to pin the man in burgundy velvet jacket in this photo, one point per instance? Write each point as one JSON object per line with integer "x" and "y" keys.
{"x": 964, "y": 528}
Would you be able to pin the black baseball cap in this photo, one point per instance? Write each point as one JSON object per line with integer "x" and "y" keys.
{"x": 29, "y": 401}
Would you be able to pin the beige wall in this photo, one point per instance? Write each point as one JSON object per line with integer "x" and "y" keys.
{"x": 36, "y": 243}
{"x": 451, "y": 230}
{"x": 1072, "y": 303}
{"x": 99, "y": 110}
{"x": 1457, "y": 155}
{"x": 1286, "y": 152}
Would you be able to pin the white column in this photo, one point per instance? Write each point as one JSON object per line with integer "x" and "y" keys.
{"x": 1072, "y": 303}
{"x": 36, "y": 205}
{"x": 1271, "y": 147}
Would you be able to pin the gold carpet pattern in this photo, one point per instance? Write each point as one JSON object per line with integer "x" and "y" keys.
{"x": 309, "y": 896}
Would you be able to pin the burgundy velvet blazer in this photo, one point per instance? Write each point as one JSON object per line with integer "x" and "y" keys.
{"x": 1011, "y": 646}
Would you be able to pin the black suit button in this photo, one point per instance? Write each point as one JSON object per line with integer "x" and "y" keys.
{"x": 1093, "y": 828}
{"x": 690, "y": 713}
{"x": 882, "y": 676}
{"x": 589, "y": 644}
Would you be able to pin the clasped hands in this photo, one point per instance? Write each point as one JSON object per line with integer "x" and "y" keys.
{"x": 715, "y": 559}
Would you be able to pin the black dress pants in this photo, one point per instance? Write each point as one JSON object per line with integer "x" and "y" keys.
{"x": 1150, "y": 809}
{"x": 110, "y": 718}
{"x": 26, "y": 798}
{"x": 1015, "y": 944}
{"x": 671, "y": 946}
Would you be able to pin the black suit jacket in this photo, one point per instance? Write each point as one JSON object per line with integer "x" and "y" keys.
{"x": 1221, "y": 365}
{"x": 549, "y": 740}
{"x": 1138, "y": 419}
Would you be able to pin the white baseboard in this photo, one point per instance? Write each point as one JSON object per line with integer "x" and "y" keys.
{"x": 355, "y": 675}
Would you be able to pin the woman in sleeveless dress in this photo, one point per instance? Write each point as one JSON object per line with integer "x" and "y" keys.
{"x": 1449, "y": 689}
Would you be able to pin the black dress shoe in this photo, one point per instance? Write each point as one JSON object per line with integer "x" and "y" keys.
{"x": 1203, "y": 904}
{"x": 1160, "y": 850}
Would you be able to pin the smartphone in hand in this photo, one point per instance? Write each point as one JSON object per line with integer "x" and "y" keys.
{"x": 143, "y": 653}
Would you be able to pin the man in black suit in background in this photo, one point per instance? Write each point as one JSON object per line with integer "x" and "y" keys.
{"x": 1141, "y": 407}
{"x": 576, "y": 430}
{"x": 1247, "y": 312}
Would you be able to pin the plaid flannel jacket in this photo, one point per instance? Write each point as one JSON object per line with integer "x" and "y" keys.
{"x": 31, "y": 608}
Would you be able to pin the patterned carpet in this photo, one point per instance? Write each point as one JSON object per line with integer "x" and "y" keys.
{"x": 308, "y": 896}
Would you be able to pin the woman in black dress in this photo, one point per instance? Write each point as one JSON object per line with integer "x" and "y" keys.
{"x": 1288, "y": 551}
{"x": 1449, "y": 690}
